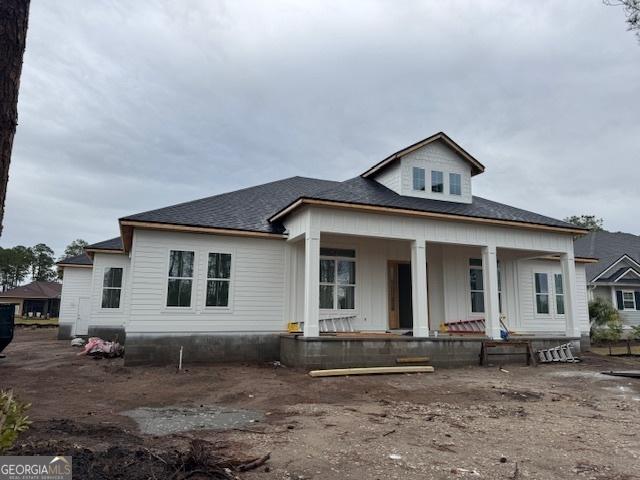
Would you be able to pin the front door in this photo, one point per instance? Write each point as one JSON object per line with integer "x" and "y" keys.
{"x": 405, "y": 304}
{"x": 400, "y": 299}
{"x": 82, "y": 322}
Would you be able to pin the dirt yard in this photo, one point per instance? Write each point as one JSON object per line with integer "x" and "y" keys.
{"x": 551, "y": 422}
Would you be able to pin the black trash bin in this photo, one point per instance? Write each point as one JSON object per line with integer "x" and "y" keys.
{"x": 6, "y": 325}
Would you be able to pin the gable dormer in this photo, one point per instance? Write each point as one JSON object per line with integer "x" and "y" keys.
{"x": 436, "y": 168}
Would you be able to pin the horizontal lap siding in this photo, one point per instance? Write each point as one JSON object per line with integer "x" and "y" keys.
{"x": 257, "y": 284}
{"x": 76, "y": 283}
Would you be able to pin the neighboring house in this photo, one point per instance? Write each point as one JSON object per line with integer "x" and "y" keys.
{"x": 404, "y": 247}
{"x": 616, "y": 277}
{"x": 36, "y": 299}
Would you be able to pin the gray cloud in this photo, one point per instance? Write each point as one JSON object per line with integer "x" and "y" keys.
{"x": 127, "y": 106}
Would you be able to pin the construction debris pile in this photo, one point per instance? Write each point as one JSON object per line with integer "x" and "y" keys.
{"x": 97, "y": 347}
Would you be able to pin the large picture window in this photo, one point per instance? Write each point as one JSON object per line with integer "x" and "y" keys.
{"x": 111, "y": 287}
{"x": 180, "y": 281}
{"x": 218, "y": 279}
{"x": 542, "y": 293}
{"x": 337, "y": 279}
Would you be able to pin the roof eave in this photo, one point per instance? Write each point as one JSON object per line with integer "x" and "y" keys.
{"x": 425, "y": 214}
{"x": 476, "y": 169}
{"x": 127, "y": 227}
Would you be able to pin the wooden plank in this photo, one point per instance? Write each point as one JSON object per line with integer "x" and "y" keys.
{"x": 336, "y": 372}
{"x": 412, "y": 359}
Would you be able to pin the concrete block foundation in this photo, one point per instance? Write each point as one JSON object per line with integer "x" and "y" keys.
{"x": 64, "y": 331}
{"x": 163, "y": 349}
{"x": 112, "y": 334}
{"x": 345, "y": 352}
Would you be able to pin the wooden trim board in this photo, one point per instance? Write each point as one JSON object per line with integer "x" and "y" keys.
{"x": 421, "y": 213}
{"x": 337, "y": 372}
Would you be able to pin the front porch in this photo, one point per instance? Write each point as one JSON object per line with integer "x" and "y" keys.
{"x": 386, "y": 282}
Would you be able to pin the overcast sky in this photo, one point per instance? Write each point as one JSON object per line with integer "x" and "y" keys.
{"x": 128, "y": 106}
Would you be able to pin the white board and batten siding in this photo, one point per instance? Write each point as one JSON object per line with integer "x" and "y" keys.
{"x": 109, "y": 317}
{"x": 257, "y": 291}
{"x": 378, "y": 225}
{"x": 436, "y": 156}
{"x": 76, "y": 285}
{"x": 528, "y": 320}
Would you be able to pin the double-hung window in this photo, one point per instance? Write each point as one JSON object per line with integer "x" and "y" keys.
{"x": 218, "y": 280}
{"x": 559, "y": 294}
{"x": 476, "y": 286}
{"x": 337, "y": 279}
{"x": 180, "y": 281}
{"x": 418, "y": 179}
{"x": 628, "y": 300}
{"x": 455, "y": 184}
{"x": 111, "y": 287}
{"x": 542, "y": 293}
{"x": 437, "y": 181}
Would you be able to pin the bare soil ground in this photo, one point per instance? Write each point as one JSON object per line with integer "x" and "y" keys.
{"x": 551, "y": 422}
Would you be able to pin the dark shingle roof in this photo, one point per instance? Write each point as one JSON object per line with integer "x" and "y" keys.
{"x": 250, "y": 209}
{"x": 608, "y": 247}
{"x": 82, "y": 259}
{"x": 247, "y": 209}
{"x": 365, "y": 191}
{"x": 111, "y": 244}
{"x": 38, "y": 289}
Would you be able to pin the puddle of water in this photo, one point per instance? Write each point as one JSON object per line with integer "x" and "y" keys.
{"x": 624, "y": 393}
{"x": 167, "y": 420}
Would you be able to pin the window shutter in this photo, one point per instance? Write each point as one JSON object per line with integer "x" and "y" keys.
{"x": 619, "y": 299}
{"x": 637, "y": 294}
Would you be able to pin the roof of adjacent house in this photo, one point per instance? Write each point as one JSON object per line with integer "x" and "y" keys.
{"x": 76, "y": 260}
{"x": 111, "y": 244}
{"x": 38, "y": 289}
{"x": 609, "y": 247}
{"x": 251, "y": 209}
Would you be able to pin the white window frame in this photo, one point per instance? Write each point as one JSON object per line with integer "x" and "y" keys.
{"x": 441, "y": 181}
{"x": 556, "y": 294}
{"x": 421, "y": 170}
{"x": 459, "y": 177}
{"x": 229, "y": 306}
{"x": 119, "y": 307}
{"x": 481, "y": 268}
{"x": 633, "y": 296}
{"x": 548, "y": 294}
{"x": 335, "y": 284}
{"x": 194, "y": 272}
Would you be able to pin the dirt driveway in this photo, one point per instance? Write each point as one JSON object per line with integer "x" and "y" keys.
{"x": 551, "y": 422}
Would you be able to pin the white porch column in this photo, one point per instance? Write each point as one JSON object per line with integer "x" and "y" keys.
{"x": 491, "y": 301}
{"x": 419, "y": 288}
{"x": 568, "y": 264}
{"x": 311, "y": 284}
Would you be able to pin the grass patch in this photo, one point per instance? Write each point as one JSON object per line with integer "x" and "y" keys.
{"x": 617, "y": 350}
{"x": 36, "y": 321}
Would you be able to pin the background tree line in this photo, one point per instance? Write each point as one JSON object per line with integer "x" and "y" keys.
{"x": 37, "y": 263}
